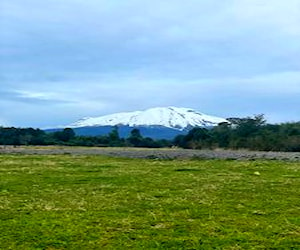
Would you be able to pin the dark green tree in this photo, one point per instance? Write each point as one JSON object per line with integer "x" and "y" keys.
{"x": 64, "y": 136}
{"x": 114, "y": 139}
{"x": 135, "y": 139}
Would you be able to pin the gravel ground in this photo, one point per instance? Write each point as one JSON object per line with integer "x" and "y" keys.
{"x": 154, "y": 153}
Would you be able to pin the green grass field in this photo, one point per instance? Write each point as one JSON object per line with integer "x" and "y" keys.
{"x": 96, "y": 202}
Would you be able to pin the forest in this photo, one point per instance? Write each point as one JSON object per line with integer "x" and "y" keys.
{"x": 252, "y": 133}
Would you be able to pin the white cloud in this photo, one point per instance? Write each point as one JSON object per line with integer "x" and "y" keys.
{"x": 36, "y": 95}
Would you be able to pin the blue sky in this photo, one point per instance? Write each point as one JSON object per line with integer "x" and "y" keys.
{"x": 64, "y": 60}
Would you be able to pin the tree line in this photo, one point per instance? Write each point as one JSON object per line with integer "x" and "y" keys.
{"x": 30, "y": 136}
{"x": 244, "y": 133}
{"x": 252, "y": 133}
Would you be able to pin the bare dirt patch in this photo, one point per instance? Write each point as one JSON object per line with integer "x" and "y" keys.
{"x": 153, "y": 153}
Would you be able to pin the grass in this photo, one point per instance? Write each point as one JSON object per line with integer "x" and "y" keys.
{"x": 97, "y": 202}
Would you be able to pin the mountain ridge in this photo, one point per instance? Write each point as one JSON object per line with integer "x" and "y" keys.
{"x": 169, "y": 117}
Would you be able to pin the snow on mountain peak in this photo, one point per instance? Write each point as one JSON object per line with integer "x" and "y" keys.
{"x": 170, "y": 117}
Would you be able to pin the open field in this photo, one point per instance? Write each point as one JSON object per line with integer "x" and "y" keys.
{"x": 146, "y": 153}
{"x": 101, "y": 202}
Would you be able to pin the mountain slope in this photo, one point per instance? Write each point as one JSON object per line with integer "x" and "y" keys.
{"x": 169, "y": 117}
{"x": 155, "y": 132}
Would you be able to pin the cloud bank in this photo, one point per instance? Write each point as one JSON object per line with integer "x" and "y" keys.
{"x": 61, "y": 60}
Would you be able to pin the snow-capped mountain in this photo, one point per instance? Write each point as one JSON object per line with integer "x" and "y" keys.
{"x": 168, "y": 117}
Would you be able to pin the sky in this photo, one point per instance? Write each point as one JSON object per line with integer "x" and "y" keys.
{"x": 64, "y": 60}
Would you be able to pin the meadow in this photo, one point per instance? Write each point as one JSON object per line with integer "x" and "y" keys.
{"x": 101, "y": 202}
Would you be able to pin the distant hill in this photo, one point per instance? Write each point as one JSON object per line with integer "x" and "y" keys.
{"x": 157, "y": 123}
